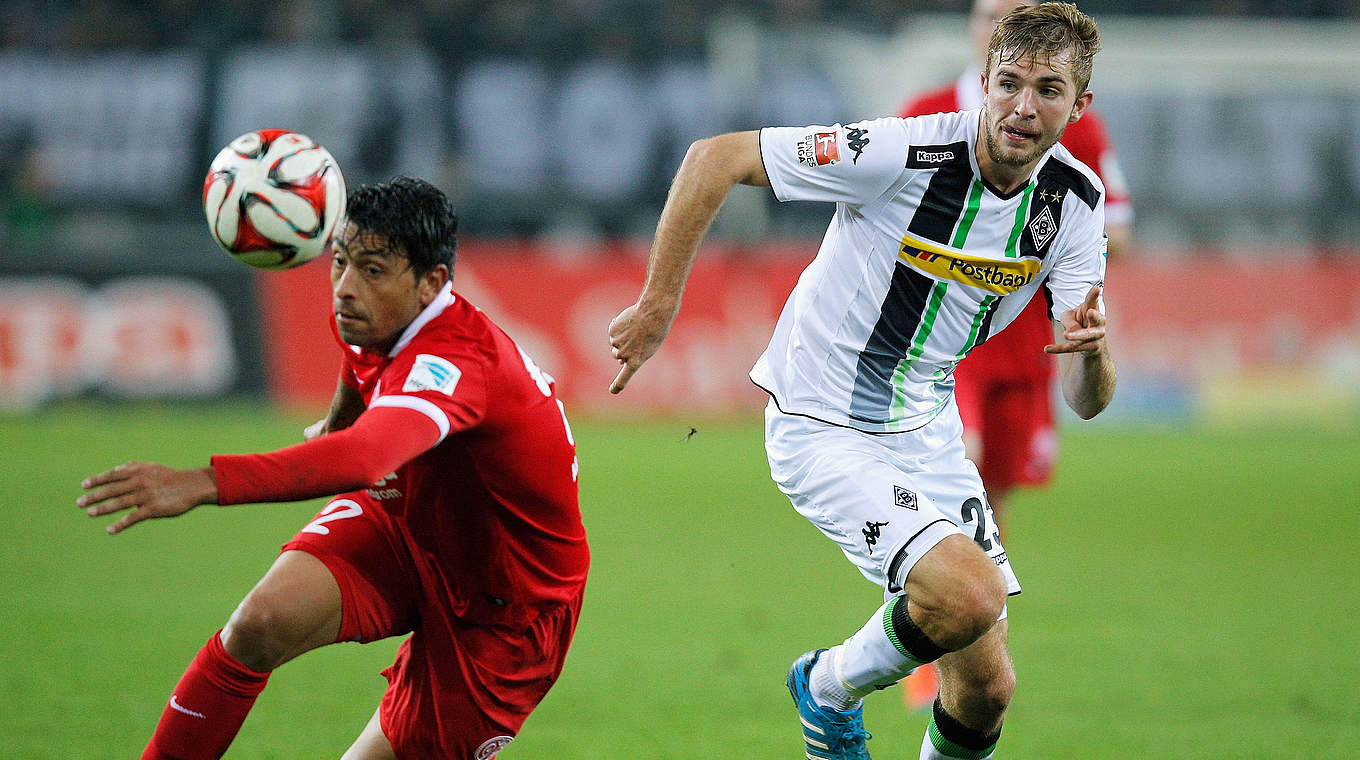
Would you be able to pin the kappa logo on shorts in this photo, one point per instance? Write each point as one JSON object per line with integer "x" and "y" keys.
{"x": 491, "y": 746}
{"x": 904, "y": 498}
{"x": 872, "y": 533}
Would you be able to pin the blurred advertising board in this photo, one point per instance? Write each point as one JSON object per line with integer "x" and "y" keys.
{"x": 1273, "y": 337}
{"x": 127, "y": 336}
{"x": 1198, "y": 337}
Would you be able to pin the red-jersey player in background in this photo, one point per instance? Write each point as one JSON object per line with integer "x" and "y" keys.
{"x": 457, "y": 521}
{"x": 1004, "y": 387}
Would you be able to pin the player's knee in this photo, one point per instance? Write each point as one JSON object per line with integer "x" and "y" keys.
{"x": 258, "y": 632}
{"x": 961, "y": 597}
{"x": 969, "y": 610}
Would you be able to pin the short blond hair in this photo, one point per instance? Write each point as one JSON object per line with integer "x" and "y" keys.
{"x": 1044, "y": 31}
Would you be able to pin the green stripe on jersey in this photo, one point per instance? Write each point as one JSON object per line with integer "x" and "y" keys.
{"x": 977, "y": 326}
{"x": 1012, "y": 249}
{"x": 966, "y": 223}
{"x": 918, "y": 347}
{"x": 950, "y": 749}
{"x": 960, "y": 236}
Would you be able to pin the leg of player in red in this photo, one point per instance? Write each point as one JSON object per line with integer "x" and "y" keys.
{"x": 293, "y": 609}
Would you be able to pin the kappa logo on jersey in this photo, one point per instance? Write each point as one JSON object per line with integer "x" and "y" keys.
{"x": 819, "y": 149}
{"x": 491, "y": 746}
{"x": 432, "y": 373}
{"x": 1002, "y": 276}
{"x": 857, "y": 139}
{"x": 904, "y": 498}
{"x": 1043, "y": 228}
{"x": 924, "y": 156}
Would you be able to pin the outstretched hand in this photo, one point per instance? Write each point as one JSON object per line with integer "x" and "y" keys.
{"x": 1083, "y": 327}
{"x": 635, "y": 336}
{"x": 148, "y": 489}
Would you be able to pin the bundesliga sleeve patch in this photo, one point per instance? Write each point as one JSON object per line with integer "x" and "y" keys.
{"x": 819, "y": 149}
{"x": 432, "y": 373}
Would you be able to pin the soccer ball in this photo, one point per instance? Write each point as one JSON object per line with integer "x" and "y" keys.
{"x": 273, "y": 198}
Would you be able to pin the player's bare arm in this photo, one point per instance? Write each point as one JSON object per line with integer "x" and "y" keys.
{"x": 149, "y": 490}
{"x": 346, "y": 406}
{"x": 1084, "y": 362}
{"x": 712, "y": 167}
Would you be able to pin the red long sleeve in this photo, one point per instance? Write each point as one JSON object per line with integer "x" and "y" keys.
{"x": 381, "y": 440}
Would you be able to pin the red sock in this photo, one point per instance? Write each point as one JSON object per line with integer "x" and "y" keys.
{"x": 207, "y": 708}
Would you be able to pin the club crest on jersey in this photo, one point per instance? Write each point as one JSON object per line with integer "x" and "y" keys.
{"x": 819, "y": 149}
{"x": 432, "y": 373}
{"x": 1043, "y": 228}
{"x": 1000, "y": 276}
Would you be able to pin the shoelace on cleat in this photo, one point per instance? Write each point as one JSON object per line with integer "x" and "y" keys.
{"x": 851, "y": 732}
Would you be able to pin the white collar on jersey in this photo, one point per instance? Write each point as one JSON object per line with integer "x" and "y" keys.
{"x": 442, "y": 300}
{"x": 968, "y": 89}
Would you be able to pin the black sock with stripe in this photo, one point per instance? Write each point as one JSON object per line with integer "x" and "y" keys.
{"x": 907, "y": 636}
{"x": 955, "y": 740}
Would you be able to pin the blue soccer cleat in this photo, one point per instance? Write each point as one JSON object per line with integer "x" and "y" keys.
{"x": 827, "y": 734}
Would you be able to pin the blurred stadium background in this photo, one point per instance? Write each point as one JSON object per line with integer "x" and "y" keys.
{"x": 1189, "y": 578}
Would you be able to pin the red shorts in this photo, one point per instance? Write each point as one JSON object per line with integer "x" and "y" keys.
{"x": 457, "y": 689}
{"x": 1014, "y": 420}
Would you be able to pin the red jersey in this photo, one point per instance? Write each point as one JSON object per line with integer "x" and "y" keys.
{"x": 1018, "y": 351}
{"x": 486, "y": 491}
{"x": 496, "y": 499}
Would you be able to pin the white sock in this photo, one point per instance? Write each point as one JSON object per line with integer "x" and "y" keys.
{"x": 826, "y": 689}
{"x": 868, "y": 660}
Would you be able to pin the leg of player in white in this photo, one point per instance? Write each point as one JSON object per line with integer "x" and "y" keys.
{"x": 976, "y": 684}
{"x": 882, "y": 500}
{"x": 954, "y": 624}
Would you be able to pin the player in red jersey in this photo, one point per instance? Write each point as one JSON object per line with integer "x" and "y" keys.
{"x": 1004, "y": 386}
{"x": 457, "y": 521}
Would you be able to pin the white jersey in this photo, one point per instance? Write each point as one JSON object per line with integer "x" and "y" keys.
{"x": 922, "y": 261}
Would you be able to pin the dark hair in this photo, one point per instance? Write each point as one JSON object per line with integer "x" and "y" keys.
{"x": 413, "y": 215}
{"x": 1044, "y": 31}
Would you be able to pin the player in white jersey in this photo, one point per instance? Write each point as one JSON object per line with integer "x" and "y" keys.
{"x": 945, "y": 225}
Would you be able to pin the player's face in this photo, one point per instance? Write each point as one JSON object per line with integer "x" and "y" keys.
{"x": 373, "y": 291}
{"x": 1027, "y": 104}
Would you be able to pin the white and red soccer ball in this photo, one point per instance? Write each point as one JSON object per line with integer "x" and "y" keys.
{"x": 273, "y": 198}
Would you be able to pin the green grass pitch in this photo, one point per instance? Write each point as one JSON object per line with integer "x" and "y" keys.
{"x": 1187, "y": 595}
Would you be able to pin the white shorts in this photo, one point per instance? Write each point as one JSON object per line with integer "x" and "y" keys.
{"x": 886, "y": 499}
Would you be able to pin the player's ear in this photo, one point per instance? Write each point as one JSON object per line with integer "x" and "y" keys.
{"x": 431, "y": 283}
{"x": 1079, "y": 107}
